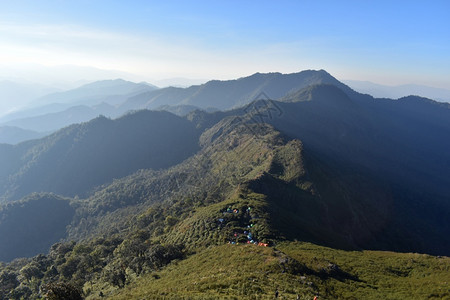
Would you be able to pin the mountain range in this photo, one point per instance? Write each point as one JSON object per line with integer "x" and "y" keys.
{"x": 279, "y": 158}
{"x": 15, "y": 95}
{"x": 113, "y": 98}
{"x": 54, "y": 111}
{"x": 399, "y": 91}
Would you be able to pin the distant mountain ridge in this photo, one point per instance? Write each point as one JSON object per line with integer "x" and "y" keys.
{"x": 51, "y": 122}
{"x": 230, "y": 94}
{"x": 58, "y": 110}
{"x": 15, "y": 95}
{"x": 14, "y": 135}
{"x": 399, "y": 91}
{"x": 82, "y": 104}
{"x": 212, "y": 95}
{"x": 96, "y": 90}
{"x": 109, "y": 91}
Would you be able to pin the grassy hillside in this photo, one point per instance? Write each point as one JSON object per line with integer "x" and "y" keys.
{"x": 295, "y": 268}
{"x": 375, "y": 274}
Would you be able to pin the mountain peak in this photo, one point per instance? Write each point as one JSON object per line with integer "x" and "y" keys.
{"x": 325, "y": 93}
{"x": 112, "y": 83}
{"x": 229, "y": 94}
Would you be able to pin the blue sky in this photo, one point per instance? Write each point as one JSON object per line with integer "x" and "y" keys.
{"x": 388, "y": 42}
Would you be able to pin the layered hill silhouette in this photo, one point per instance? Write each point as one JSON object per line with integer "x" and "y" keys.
{"x": 97, "y": 91}
{"x": 229, "y": 94}
{"x": 18, "y": 94}
{"x": 50, "y": 122}
{"x": 15, "y": 135}
{"x": 113, "y": 98}
{"x": 57, "y": 110}
{"x": 322, "y": 164}
{"x": 399, "y": 91}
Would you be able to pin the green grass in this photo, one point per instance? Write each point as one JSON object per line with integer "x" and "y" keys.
{"x": 221, "y": 272}
{"x": 379, "y": 274}
{"x": 294, "y": 268}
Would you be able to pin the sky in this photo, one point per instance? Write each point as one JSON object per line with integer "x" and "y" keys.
{"x": 387, "y": 42}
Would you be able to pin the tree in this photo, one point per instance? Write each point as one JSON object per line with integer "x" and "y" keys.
{"x": 20, "y": 292}
{"x": 8, "y": 281}
{"x": 171, "y": 221}
{"x": 61, "y": 291}
{"x": 30, "y": 271}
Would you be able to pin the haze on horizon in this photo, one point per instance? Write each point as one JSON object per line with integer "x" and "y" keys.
{"x": 383, "y": 42}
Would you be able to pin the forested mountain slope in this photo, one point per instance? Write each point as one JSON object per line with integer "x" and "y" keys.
{"x": 76, "y": 159}
{"x": 31, "y": 226}
{"x": 397, "y": 143}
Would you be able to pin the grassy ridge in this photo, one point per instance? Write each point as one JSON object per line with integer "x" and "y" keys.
{"x": 294, "y": 268}
{"x": 222, "y": 272}
{"x": 376, "y": 274}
